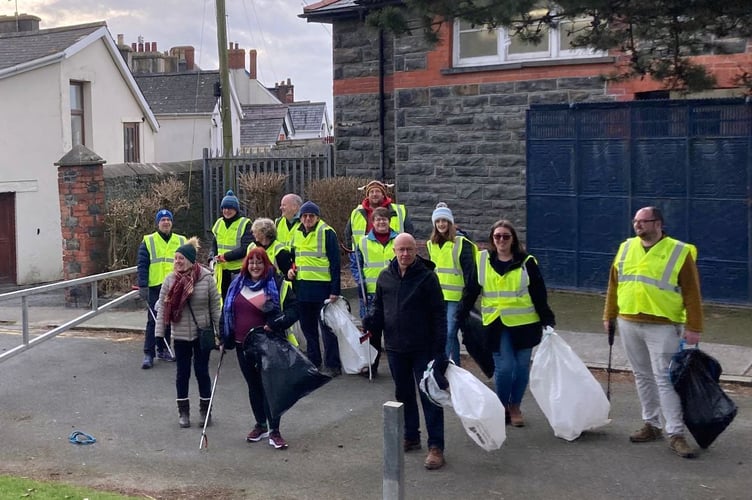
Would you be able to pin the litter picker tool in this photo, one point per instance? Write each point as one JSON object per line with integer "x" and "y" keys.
{"x": 611, "y": 332}
{"x": 167, "y": 344}
{"x": 362, "y": 287}
{"x": 154, "y": 317}
{"x": 204, "y": 440}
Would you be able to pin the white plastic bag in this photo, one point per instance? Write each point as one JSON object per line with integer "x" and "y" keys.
{"x": 478, "y": 407}
{"x": 353, "y": 355}
{"x": 567, "y": 393}
{"x": 430, "y": 388}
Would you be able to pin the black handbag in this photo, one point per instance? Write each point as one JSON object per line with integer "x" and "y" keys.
{"x": 207, "y": 340}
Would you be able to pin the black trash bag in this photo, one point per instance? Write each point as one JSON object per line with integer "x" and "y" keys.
{"x": 474, "y": 340}
{"x": 707, "y": 409}
{"x": 286, "y": 374}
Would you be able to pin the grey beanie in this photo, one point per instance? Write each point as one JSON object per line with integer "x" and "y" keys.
{"x": 442, "y": 212}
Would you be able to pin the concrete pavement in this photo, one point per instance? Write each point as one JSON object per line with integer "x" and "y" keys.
{"x": 92, "y": 382}
{"x": 592, "y": 348}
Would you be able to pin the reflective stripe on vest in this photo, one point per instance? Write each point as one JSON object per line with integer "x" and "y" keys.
{"x": 228, "y": 239}
{"x": 358, "y": 221}
{"x": 648, "y": 282}
{"x": 161, "y": 255}
{"x": 284, "y": 234}
{"x": 448, "y": 269}
{"x": 505, "y": 296}
{"x": 375, "y": 258}
{"x": 310, "y": 254}
{"x": 271, "y": 252}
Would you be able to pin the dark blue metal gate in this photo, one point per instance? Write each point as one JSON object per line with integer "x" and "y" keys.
{"x": 591, "y": 166}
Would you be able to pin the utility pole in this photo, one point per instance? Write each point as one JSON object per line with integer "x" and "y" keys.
{"x": 224, "y": 79}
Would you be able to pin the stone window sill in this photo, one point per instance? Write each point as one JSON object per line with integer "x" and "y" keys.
{"x": 528, "y": 64}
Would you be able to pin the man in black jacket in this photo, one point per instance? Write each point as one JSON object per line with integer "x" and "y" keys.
{"x": 409, "y": 308}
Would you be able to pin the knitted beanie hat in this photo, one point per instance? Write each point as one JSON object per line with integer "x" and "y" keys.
{"x": 378, "y": 185}
{"x": 230, "y": 201}
{"x": 189, "y": 249}
{"x": 163, "y": 213}
{"x": 442, "y": 212}
{"x": 310, "y": 207}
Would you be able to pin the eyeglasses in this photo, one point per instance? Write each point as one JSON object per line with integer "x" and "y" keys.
{"x": 500, "y": 236}
{"x": 643, "y": 221}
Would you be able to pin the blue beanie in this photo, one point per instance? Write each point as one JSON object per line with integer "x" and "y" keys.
{"x": 310, "y": 207}
{"x": 230, "y": 201}
{"x": 163, "y": 212}
{"x": 442, "y": 212}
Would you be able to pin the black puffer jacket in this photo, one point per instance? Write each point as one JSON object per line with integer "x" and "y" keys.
{"x": 409, "y": 309}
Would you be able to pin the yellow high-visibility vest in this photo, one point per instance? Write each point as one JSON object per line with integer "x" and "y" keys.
{"x": 283, "y": 233}
{"x": 447, "y": 260}
{"x": 310, "y": 254}
{"x": 358, "y": 221}
{"x": 649, "y": 281}
{"x": 505, "y": 296}
{"x": 161, "y": 255}
{"x": 375, "y": 258}
{"x": 286, "y": 285}
{"x": 272, "y": 251}
{"x": 229, "y": 238}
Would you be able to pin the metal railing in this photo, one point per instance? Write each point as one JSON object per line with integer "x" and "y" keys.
{"x": 96, "y": 309}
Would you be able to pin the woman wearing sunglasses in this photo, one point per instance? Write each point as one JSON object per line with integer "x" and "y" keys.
{"x": 514, "y": 307}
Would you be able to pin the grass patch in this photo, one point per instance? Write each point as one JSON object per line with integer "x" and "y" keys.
{"x": 22, "y": 488}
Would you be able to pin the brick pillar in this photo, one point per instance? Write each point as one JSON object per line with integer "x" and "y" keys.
{"x": 80, "y": 182}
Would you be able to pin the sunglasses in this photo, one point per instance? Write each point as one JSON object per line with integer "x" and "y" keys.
{"x": 499, "y": 236}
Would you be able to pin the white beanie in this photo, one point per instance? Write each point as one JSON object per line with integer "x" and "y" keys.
{"x": 442, "y": 212}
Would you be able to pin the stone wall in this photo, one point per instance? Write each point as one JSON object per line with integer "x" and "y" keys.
{"x": 463, "y": 144}
{"x": 130, "y": 180}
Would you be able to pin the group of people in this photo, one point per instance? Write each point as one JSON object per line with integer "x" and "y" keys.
{"x": 269, "y": 275}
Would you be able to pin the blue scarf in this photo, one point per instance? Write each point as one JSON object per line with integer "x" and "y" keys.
{"x": 267, "y": 283}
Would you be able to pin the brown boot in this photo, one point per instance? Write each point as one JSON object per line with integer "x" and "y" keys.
{"x": 679, "y": 445}
{"x": 435, "y": 458}
{"x": 646, "y": 434}
{"x": 515, "y": 416}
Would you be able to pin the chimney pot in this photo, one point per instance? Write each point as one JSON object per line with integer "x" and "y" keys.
{"x": 154, "y": 46}
{"x": 120, "y": 38}
{"x": 140, "y": 46}
{"x": 133, "y": 46}
{"x": 252, "y": 54}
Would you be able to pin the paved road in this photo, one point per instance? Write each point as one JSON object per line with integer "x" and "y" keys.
{"x": 94, "y": 383}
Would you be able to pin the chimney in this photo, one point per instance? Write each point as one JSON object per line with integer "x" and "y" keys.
{"x": 235, "y": 57}
{"x": 153, "y": 46}
{"x": 252, "y": 60}
{"x": 190, "y": 53}
{"x": 133, "y": 46}
{"x": 120, "y": 39}
{"x": 140, "y": 46}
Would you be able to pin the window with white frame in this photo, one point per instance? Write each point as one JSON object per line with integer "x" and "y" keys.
{"x": 480, "y": 46}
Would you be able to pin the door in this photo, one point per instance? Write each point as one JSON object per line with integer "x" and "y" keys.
{"x": 8, "y": 238}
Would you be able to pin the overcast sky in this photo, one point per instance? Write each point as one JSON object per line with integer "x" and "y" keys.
{"x": 288, "y": 46}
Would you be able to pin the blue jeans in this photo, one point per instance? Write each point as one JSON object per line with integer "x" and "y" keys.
{"x": 453, "y": 340}
{"x": 185, "y": 352}
{"x": 512, "y": 370}
{"x": 407, "y": 370}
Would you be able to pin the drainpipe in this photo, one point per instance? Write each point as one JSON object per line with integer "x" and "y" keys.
{"x": 382, "y": 110}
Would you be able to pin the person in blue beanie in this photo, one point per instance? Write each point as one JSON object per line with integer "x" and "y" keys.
{"x": 154, "y": 263}
{"x": 232, "y": 235}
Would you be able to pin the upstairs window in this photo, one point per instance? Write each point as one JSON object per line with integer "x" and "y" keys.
{"x": 479, "y": 45}
{"x": 77, "y": 113}
{"x": 132, "y": 148}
